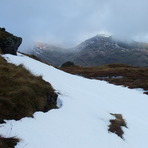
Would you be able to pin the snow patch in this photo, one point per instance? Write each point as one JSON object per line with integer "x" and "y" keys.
{"x": 83, "y": 119}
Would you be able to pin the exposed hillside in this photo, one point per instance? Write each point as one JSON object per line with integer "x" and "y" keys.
{"x": 22, "y": 94}
{"x": 119, "y": 74}
{"x": 94, "y": 113}
{"x": 96, "y": 51}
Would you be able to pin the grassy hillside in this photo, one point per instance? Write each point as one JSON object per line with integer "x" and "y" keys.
{"x": 119, "y": 74}
{"x": 22, "y": 94}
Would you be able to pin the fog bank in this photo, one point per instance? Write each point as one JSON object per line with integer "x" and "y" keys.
{"x": 69, "y": 22}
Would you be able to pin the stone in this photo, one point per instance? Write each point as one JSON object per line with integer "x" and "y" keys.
{"x": 8, "y": 42}
{"x": 68, "y": 64}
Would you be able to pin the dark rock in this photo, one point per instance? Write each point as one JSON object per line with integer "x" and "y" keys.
{"x": 2, "y": 29}
{"x": 8, "y": 42}
{"x": 51, "y": 102}
{"x": 68, "y": 64}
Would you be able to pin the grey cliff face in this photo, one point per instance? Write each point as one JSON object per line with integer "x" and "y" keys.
{"x": 8, "y": 42}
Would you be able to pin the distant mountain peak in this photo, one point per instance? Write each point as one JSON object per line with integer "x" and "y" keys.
{"x": 98, "y": 50}
{"x": 103, "y": 35}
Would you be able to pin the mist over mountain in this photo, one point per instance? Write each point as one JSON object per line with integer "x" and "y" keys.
{"x": 51, "y": 54}
{"x": 69, "y": 22}
{"x": 96, "y": 51}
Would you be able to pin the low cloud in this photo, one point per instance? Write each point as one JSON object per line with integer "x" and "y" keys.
{"x": 68, "y": 22}
{"x": 127, "y": 19}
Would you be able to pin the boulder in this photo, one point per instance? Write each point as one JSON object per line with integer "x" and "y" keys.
{"x": 68, "y": 64}
{"x": 8, "y": 42}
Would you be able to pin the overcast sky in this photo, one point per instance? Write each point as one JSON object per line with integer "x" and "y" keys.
{"x": 68, "y": 22}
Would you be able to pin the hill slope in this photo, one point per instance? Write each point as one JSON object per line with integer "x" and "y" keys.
{"x": 22, "y": 94}
{"x": 84, "y": 117}
{"x": 98, "y": 50}
{"x": 119, "y": 74}
{"x": 101, "y": 50}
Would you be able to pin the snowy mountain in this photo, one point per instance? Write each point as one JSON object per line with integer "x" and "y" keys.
{"x": 101, "y": 50}
{"x": 86, "y": 111}
{"x": 98, "y": 50}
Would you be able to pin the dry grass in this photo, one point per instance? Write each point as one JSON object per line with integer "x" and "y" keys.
{"x": 133, "y": 77}
{"x": 116, "y": 125}
{"x": 21, "y": 93}
{"x": 8, "y": 142}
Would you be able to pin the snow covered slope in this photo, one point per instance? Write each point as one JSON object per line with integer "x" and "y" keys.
{"x": 83, "y": 119}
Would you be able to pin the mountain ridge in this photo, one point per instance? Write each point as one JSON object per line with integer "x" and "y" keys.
{"x": 96, "y": 51}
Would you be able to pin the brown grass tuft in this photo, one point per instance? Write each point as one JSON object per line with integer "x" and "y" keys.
{"x": 116, "y": 125}
{"x": 22, "y": 94}
{"x": 8, "y": 142}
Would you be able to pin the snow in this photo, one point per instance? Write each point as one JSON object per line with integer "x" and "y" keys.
{"x": 82, "y": 120}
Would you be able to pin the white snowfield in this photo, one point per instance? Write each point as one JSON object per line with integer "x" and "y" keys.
{"x": 83, "y": 119}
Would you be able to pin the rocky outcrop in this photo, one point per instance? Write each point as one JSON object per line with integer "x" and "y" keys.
{"x": 8, "y": 42}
